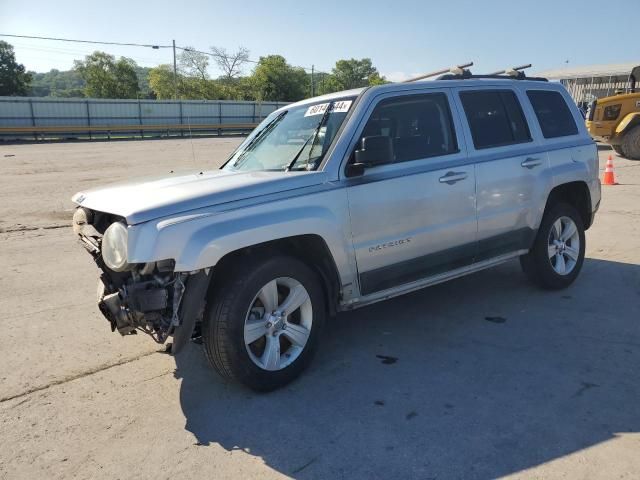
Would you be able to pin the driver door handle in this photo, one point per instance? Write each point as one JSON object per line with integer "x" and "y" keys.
{"x": 452, "y": 177}
{"x": 531, "y": 162}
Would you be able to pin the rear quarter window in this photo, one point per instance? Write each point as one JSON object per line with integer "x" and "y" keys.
{"x": 553, "y": 113}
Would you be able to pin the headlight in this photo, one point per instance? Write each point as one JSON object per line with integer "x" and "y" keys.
{"x": 114, "y": 247}
{"x": 611, "y": 112}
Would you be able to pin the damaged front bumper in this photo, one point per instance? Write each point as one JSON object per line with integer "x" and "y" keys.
{"x": 150, "y": 298}
{"x": 161, "y": 308}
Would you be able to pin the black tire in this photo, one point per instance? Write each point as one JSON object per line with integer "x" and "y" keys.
{"x": 631, "y": 143}
{"x": 537, "y": 264}
{"x": 618, "y": 150}
{"x": 224, "y": 320}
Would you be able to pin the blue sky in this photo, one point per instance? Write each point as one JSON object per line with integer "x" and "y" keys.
{"x": 402, "y": 37}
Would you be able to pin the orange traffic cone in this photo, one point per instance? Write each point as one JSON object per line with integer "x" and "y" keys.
{"x": 609, "y": 178}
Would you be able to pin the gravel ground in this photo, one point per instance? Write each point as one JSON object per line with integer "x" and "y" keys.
{"x": 493, "y": 377}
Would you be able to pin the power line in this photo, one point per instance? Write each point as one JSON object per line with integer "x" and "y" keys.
{"x": 58, "y": 51}
{"x": 95, "y": 42}
{"x": 153, "y": 46}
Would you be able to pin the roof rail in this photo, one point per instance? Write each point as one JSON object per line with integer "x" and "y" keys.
{"x": 513, "y": 73}
{"x": 461, "y": 69}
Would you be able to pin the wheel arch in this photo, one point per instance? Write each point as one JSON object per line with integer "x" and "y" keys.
{"x": 311, "y": 249}
{"x": 576, "y": 194}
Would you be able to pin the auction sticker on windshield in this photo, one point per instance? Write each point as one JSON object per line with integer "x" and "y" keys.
{"x": 337, "y": 107}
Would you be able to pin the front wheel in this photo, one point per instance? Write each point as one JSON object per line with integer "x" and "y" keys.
{"x": 557, "y": 254}
{"x": 263, "y": 324}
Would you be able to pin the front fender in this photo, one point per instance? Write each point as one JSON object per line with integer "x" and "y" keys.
{"x": 210, "y": 243}
{"x": 199, "y": 240}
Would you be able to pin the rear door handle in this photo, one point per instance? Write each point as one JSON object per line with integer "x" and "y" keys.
{"x": 452, "y": 177}
{"x": 531, "y": 162}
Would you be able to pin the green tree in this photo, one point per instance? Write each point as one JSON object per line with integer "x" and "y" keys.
{"x": 193, "y": 64}
{"x": 274, "y": 79}
{"x": 194, "y": 81}
{"x": 107, "y": 77}
{"x": 189, "y": 87}
{"x": 56, "y": 83}
{"x": 14, "y": 80}
{"x": 161, "y": 82}
{"x": 354, "y": 73}
{"x": 240, "y": 88}
{"x": 143, "y": 82}
{"x": 351, "y": 73}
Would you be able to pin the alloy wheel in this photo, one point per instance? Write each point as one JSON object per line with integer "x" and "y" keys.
{"x": 278, "y": 324}
{"x": 564, "y": 245}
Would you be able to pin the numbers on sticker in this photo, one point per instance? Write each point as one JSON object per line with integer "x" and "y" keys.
{"x": 320, "y": 109}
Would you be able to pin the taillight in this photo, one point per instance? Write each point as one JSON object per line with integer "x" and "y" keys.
{"x": 611, "y": 112}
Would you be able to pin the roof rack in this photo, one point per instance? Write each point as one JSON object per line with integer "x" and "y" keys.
{"x": 513, "y": 73}
{"x": 461, "y": 69}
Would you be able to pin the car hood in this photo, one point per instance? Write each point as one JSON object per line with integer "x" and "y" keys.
{"x": 150, "y": 198}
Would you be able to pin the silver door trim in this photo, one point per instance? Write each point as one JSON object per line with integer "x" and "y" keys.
{"x": 426, "y": 282}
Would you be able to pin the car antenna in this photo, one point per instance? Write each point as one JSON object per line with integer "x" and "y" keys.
{"x": 457, "y": 70}
{"x": 513, "y": 71}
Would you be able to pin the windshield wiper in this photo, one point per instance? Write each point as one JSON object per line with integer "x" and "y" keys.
{"x": 313, "y": 136}
{"x": 267, "y": 128}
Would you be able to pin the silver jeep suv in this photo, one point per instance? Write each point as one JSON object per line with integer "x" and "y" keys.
{"x": 340, "y": 201}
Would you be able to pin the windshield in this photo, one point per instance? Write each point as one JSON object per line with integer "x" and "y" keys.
{"x": 292, "y": 139}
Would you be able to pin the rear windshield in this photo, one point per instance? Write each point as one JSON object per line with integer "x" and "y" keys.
{"x": 553, "y": 113}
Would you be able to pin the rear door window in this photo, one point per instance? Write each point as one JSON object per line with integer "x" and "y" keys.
{"x": 553, "y": 114}
{"x": 495, "y": 118}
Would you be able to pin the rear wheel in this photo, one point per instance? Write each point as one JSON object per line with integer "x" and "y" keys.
{"x": 631, "y": 143}
{"x": 557, "y": 254}
{"x": 618, "y": 150}
{"x": 263, "y": 324}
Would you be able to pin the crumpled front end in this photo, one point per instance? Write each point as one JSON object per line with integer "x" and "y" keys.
{"x": 150, "y": 297}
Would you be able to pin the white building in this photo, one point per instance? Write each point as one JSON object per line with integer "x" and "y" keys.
{"x": 589, "y": 82}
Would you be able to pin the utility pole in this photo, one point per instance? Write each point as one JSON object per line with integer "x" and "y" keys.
{"x": 175, "y": 73}
{"x": 312, "y": 83}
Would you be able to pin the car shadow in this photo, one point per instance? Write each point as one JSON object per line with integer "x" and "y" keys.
{"x": 480, "y": 377}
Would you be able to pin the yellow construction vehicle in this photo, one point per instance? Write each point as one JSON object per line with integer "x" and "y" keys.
{"x": 616, "y": 120}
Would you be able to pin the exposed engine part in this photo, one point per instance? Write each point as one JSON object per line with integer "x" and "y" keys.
{"x": 145, "y": 297}
{"x": 150, "y": 305}
{"x": 177, "y": 298}
{"x": 166, "y": 265}
{"x": 147, "y": 268}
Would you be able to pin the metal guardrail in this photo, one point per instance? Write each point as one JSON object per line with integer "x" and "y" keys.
{"x": 109, "y": 130}
{"x": 45, "y": 118}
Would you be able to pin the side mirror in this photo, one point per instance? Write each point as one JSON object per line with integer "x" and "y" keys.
{"x": 374, "y": 151}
